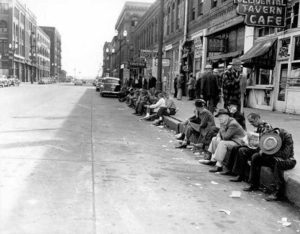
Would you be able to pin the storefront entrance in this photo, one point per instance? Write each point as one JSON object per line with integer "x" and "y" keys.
{"x": 280, "y": 97}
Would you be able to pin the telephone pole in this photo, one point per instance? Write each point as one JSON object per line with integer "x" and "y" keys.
{"x": 160, "y": 45}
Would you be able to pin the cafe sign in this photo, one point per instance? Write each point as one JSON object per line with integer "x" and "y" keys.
{"x": 269, "y": 13}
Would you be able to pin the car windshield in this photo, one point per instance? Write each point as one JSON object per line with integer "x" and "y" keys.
{"x": 110, "y": 81}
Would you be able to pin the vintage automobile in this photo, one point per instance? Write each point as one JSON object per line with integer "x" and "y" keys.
{"x": 98, "y": 84}
{"x": 110, "y": 86}
{"x": 78, "y": 82}
{"x": 4, "y": 82}
{"x": 13, "y": 81}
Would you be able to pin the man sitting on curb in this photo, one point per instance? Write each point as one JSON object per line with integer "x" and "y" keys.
{"x": 276, "y": 152}
{"x": 155, "y": 107}
{"x": 230, "y": 135}
{"x": 236, "y": 114}
{"x": 170, "y": 109}
{"x": 197, "y": 125}
{"x": 240, "y": 161}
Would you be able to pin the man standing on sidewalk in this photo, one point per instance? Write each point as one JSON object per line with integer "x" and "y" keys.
{"x": 210, "y": 88}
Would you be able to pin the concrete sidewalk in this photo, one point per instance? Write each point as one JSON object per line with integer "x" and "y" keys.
{"x": 289, "y": 122}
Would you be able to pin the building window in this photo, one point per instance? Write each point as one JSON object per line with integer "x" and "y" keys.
{"x": 297, "y": 48}
{"x": 173, "y": 18}
{"x": 295, "y": 75}
{"x": 214, "y": 3}
{"x": 168, "y": 20}
{"x": 282, "y": 82}
{"x": 265, "y": 77}
{"x": 200, "y": 7}
{"x": 178, "y": 14}
{"x": 264, "y": 31}
{"x": 4, "y": 8}
{"x": 3, "y": 26}
{"x": 292, "y": 16}
{"x": 193, "y": 12}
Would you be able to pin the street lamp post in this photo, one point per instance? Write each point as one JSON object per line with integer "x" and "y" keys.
{"x": 13, "y": 47}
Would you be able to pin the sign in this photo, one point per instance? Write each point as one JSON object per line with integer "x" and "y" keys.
{"x": 198, "y": 47}
{"x": 165, "y": 62}
{"x": 148, "y": 53}
{"x": 168, "y": 47}
{"x": 217, "y": 45}
{"x": 269, "y": 13}
{"x": 137, "y": 64}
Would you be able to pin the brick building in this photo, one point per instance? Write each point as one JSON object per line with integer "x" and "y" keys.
{"x": 43, "y": 54}
{"x": 17, "y": 40}
{"x": 55, "y": 51}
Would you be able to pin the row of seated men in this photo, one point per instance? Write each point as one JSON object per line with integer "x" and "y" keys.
{"x": 231, "y": 149}
{"x": 151, "y": 103}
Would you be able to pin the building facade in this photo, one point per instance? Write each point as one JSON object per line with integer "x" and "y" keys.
{"x": 107, "y": 59}
{"x": 17, "y": 41}
{"x": 122, "y": 45}
{"x": 43, "y": 54}
{"x": 55, "y": 51}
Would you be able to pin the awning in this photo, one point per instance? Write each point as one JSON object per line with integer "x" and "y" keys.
{"x": 259, "y": 49}
{"x": 226, "y": 56}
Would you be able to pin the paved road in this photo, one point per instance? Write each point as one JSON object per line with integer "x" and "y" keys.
{"x": 72, "y": 162}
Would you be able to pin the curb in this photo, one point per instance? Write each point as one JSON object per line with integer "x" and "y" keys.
{"x": 292, "y": 189}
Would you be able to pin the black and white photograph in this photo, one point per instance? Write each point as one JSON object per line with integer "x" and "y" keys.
{"x": 149, "y": 116}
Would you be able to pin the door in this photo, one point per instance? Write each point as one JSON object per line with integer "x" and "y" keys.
{"x": 280, "y": 98}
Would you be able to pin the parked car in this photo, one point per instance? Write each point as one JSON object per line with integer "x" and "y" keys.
{"x": 98, "y": 83}
{"x": 4, "y": 81}
{"x": 110, "y": 86}
{"x": 13, "y": 81}
{"x": 78, "y": 82}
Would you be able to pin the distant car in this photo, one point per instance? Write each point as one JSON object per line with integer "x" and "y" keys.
{"x": 78, "y": 82}
{"x": 13, "y": 81}
{"x": 110, "y": 86}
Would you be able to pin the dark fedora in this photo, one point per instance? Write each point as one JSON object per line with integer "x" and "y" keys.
{"x": 222, "y": 112}
{"x": 200, "y": 103}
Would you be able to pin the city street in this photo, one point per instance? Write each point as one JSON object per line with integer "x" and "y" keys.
{"x": 72, "y": 162}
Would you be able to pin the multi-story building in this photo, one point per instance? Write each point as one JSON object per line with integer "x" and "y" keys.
{"x": 55, "y": 51}
{"x": 106, "y": 65}
{"x": 43, "y": 54}
{"x": 17, "y": 40}
{"x": 122, "y": 45}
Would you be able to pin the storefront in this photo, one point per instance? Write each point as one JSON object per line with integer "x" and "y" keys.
{"x": 260, "y": 61}
{"x": 225, "y": 41}
{"x": 287, "y": 86}
{"x": 170, "y": 66}
{"x": 199, "y": 49}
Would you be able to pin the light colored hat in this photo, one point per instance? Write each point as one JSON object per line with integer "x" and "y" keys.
{"x": 236, "y": 61}
{"x": 215, "y": 70}
{"x": 208, "y": 66}
{"x": 270, "y": 143}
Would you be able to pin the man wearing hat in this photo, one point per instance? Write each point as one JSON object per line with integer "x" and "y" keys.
{"x": 276, "y": 152}
{"x": 198, "y": 125}
{"x": 230, "y": 135}
{"x": 210, "y": 89}
{"x": 231, "y": 82}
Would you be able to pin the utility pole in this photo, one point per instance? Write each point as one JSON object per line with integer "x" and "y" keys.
{"x": 160, "y": 45}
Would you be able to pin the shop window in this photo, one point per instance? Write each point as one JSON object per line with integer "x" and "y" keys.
{"x": 3, "y": 26}
{"x": 282, "y": 82}
{"x": 294, "y": 80}
{"x": 284, "y": 45}
{"x": 297, "y": 48}
{"x": 264, "y": 31}
{"x": 200, "y": 7}
{"x": 264, "y": 77}
{"x": 193, "y": 12}
{"x": 214, "y": 3}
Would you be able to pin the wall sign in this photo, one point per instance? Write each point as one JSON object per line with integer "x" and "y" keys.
{"x": 270, "y": 13}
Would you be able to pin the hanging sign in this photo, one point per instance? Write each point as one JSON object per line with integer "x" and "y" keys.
{"x": 269, "y": 13}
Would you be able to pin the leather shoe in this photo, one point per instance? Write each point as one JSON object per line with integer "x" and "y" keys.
{"x": 181, "y": 137}
{"x": 274, "y": 197}
{"x": 251, "y": 188}
{"x": 238, "y": 179}
{"x": 182, "y": 146}
{"x": 217, "y": 169}
{"x": 209, "y": 163}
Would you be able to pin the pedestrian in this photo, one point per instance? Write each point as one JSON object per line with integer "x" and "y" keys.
{"x": 180, "y": 86}
{"x": 175, "y": 85}
{"x": 231, "y": 83}
{"x": 152, "y": 81}
{"x": 198, "y": 85}
{"x": 210, "y": 88}
{"x": 191, "y": 87}
{"x": 277, "y": 153}
{"x": 144, "y": 83}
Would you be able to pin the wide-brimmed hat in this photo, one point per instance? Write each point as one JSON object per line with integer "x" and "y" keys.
{"x": 222, "y": 112}
{"x": 270, "y": 143}
{"x": 236, "y": 61}
{"x": 208, "y": 66}
{"x": 200, "y": 103}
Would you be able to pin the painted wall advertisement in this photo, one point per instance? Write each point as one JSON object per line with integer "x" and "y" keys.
{"x": 270, "y": 13}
